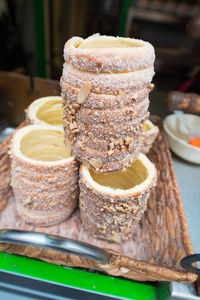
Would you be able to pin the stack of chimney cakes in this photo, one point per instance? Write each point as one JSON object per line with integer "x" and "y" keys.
{"x": 105, "y": 87}
{"x": 103, "y": 111}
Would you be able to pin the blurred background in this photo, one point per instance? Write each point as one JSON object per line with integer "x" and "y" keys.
{"x": 33, "y": 34}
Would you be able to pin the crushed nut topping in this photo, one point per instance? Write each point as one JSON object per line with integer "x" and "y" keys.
{"x": 121, "y": 96}
{"x": 151, "y": 86}
{"x": 84, "y": 92}
{"x": 95, "y": 163}
{"x": 73, "y": 125}
{"x": 85, "y": 162}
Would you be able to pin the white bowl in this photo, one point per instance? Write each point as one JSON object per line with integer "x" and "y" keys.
{"x": 178, "y": 145}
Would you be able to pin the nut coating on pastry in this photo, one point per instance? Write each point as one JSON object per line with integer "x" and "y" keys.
{"x": 105, "y": 87}
{"x": 110, "y": 204}
{"x": 148, "y": 137}
{"x": 44, "y": 175}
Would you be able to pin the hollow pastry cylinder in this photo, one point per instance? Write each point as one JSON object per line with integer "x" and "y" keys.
{"x": 44, "y": 175}
{"x": 108, "y": 83}
{"x": 105, "y": 130}
{"x": 96, "y": 53}
{"x": 105, "y": 104}
{"x": 148, "y": 137}
{"x": 111, "y": 204}
{"x": 107, "y": 137}
{"x": 46, "y": 111}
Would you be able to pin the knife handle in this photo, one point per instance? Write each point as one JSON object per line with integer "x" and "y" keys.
{"x": 187, "y": 262}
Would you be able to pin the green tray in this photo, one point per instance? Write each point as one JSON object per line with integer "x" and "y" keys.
{"x": 82, "y": 279}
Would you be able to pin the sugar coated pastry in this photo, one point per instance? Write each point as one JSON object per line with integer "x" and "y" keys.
{"x": 105, "y": 87}
{"x": 111, "y": 203}
{"x": 129, "y": 54}
{"x": 148, "y": 137}
{"x": 44, "y": 175}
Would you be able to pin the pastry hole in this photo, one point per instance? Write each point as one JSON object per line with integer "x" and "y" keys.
{"x": 51, "y": 112}
{"x": 44, "y": 145}
{"x": 108, "y": 43}
{"x": 124, "y": 180}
